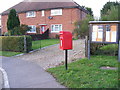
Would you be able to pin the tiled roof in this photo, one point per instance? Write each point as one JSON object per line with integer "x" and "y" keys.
{"x": 29, "y": 5}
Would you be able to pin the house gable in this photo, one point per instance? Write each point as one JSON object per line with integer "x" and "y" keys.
{"x": 36, "y": 6}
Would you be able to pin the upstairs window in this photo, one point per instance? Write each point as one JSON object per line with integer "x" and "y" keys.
{"x": 33, "y": 29}
{"x": 56, "y": 28}
{"x": 30, "y": 14}
{"x": 56, "y": 12}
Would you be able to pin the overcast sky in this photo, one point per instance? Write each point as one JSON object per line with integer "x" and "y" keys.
{"x": 96, "y": 5}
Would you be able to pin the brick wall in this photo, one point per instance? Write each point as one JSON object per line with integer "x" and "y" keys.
{"x": 67, "y": 19}
{"x": 4, "y": 23}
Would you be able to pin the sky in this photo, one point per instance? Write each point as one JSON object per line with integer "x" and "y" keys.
{"x": 96, "y": 5}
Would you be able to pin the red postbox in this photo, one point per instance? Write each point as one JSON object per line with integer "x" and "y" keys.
{"x": 65, "y": 40}
{"x": 65, "y": 43}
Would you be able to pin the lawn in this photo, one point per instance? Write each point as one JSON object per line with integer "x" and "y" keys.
{"x": 86, "y": 73}
{"x": 8, "y": 53}
{"x": 44, "y": 43}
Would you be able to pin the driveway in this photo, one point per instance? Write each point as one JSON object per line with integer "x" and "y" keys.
{"x": 52, "y": 56}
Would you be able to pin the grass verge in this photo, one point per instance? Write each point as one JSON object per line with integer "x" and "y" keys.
{"x": 44, "y": 43}
{"x": 35, "y": 45}
{"x": 87, "y": 73}
{"x": 8, "y": 53}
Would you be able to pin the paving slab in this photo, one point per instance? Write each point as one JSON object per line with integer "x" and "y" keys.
{"x": 24, "y": 74}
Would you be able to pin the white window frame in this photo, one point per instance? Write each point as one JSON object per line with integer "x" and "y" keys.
{"x": 32, "y": 29}
{"x": 56, "y": 31}
{"x": 55, "y": 12}
{"x": 43, "y": 13}
{"x": 29, "y": 12}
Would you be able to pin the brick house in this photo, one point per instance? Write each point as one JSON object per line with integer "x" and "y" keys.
{"x": 40, "y": 16}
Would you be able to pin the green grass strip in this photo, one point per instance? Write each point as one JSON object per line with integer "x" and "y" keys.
{"x": 86, "y": 73}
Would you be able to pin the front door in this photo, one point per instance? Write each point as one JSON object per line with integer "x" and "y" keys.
{"x": 42, "y": 29}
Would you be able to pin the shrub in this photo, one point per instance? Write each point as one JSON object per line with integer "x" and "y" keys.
{"x": 15, "y": 43}
{"x": 24, "y": 28}
{"x": 6, "y": 34}
{"x": 109, "y": 49}
{"x": 16, "y": 31}
{"x": 20, "y": 30}
{"x": 57, "y": 36}
{"x": 82, "y": 27}
{"x": 94, "y": 47}
{"x": 45, "y": 35}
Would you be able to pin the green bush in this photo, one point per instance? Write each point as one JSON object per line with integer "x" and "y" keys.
{"x": 57, "y": 36}
{"x": 109, "y": 49}
{"x": 82, "y": 27}
{"x": 6, "y": 34}
{"x": 94, "y": 47}
{"x": 20, "y": 30}
{"x": 15, "y": 43}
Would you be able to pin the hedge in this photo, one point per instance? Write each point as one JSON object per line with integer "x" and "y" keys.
{"x": 15, "y": 43}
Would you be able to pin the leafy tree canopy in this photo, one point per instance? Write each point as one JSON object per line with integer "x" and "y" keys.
{"x": 89, "y": 9}
{"x": 112, "y": 14}
{"x": 107, "y": 7}
{"x": 110, "y": 11}
{"x": 82, "y": 27}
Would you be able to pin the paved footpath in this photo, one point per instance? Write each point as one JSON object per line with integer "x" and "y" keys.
{"x": 1, "y": 80}
{"x": 24, "y": 74}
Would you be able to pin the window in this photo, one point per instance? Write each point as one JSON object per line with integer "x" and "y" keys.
{"x": 31, "y": 14}
{"x": 56, "y": 12}
{"x": 33, "y": 29}
{"x": 56, "y": 28}
{"x": 43, "y": 13}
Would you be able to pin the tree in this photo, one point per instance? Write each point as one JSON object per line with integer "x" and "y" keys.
{"x": 107, "y": 7}
{"x": 82, "y": 27}
{"x": 111, "y": 14}
{"x": 13, "y": 21}
{"x": 90, "y": 11}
